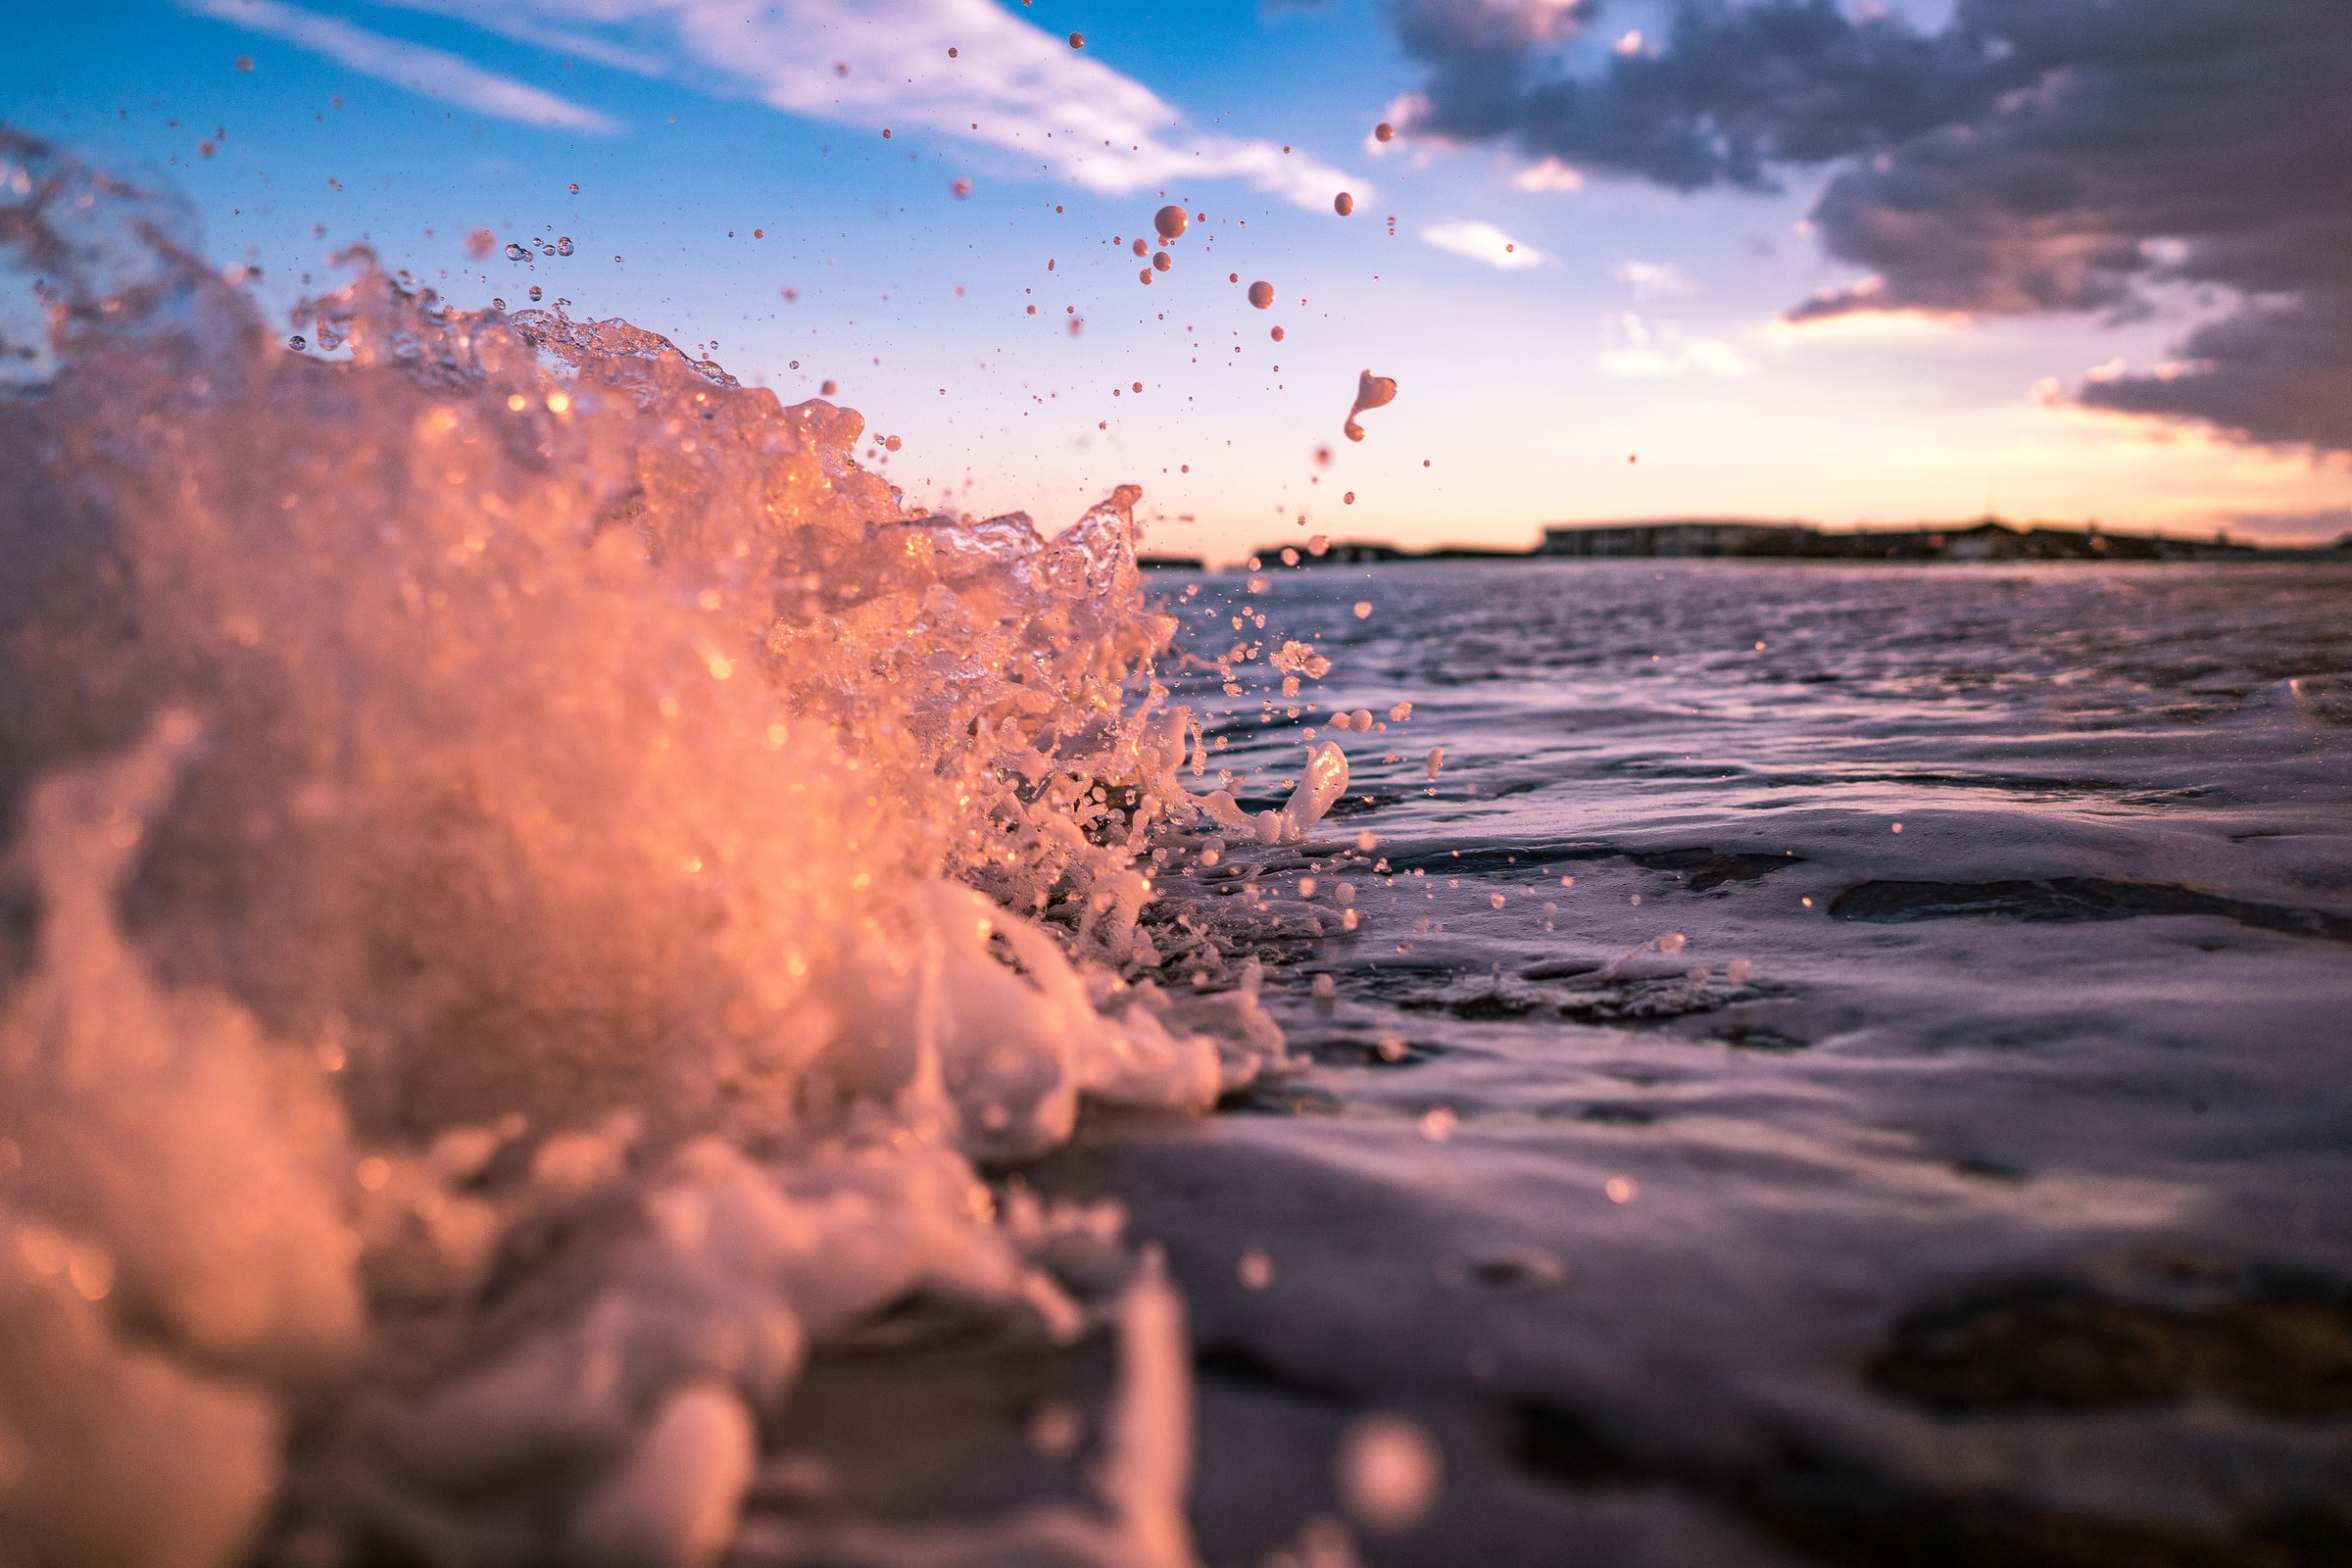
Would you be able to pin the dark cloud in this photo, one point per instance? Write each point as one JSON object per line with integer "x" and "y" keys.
{"x": 2031, "y": 155}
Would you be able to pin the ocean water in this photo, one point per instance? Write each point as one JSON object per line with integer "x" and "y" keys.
{"x": 1916, "y": 1133}
{"x": 1967, "y": 1186}
{"x": 581, "y": 983}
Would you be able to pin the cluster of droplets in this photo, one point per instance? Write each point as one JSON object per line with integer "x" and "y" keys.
{"x": 1169, "y": 224}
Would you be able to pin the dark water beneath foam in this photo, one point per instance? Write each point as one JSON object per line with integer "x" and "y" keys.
{"x": 1995, "y": 1213}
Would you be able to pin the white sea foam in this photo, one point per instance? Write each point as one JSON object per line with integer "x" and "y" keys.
{"x": 541, "y": 879}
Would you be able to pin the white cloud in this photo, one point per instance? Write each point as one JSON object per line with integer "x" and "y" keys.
{"x": 1481, "y": 242}
{"x": 1549, "y": 175}
{"x": 1012, "y": 86}
{"x": 1639, "y": 349}
{"x": 1717, "y": 357}
{"x": 1652, "y": 279}
{"x": 1867, "y": 324}
{"x": 411, "y": 65}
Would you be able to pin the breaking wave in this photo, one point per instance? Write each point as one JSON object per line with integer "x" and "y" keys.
{"x": 538, "y": 889}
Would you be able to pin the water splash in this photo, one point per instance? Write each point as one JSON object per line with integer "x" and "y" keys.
{"x": 509, "y": 781}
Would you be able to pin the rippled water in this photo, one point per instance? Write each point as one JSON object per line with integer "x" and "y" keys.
{"x": 1996, "y": 1212}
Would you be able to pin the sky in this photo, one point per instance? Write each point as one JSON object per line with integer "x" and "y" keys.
{"x": 1851, "y": 263}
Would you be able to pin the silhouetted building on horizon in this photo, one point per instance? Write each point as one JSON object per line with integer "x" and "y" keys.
{"x": 1747, "y": 538}
{"x": 1985, "y": 539}
{"x": 1678, "y": 537}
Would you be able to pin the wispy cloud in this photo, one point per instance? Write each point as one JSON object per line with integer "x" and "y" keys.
{"x": 1867, "y": 324}
{"x": 1651, "y": 281}
{"x": 1549, "y": 175}
{"x": 1481, "y": 242}
{"x": 1010, "y": 85}
{"x": 1639, "y": 349}
{"x": 432, "y": 72}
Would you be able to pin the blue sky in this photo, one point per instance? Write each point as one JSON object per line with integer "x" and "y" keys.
{"x": 1629, "y": 358}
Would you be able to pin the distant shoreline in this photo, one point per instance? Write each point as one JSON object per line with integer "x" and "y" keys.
{"x": 1988, "y": 539}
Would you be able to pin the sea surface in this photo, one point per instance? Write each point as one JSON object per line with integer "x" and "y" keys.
{"x": 2000, "y": 1211}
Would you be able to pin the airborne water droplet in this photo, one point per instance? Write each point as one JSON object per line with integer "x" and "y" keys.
{"x": 1342, "y": 204}
{"x": 1261, "y": 295}
{"x": 1371, "y": 392}
{"x": 515, "y": 252}
{"x": 1384, "y": 131}
{"x": 1276, "y": 334}
{"x": 1160, "y": 262}
{"x": 1171, "y": 222}
{"x": 563, "y": 245}
{"x": 297, "y": 342}
{"x": 1077, "y": 40}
